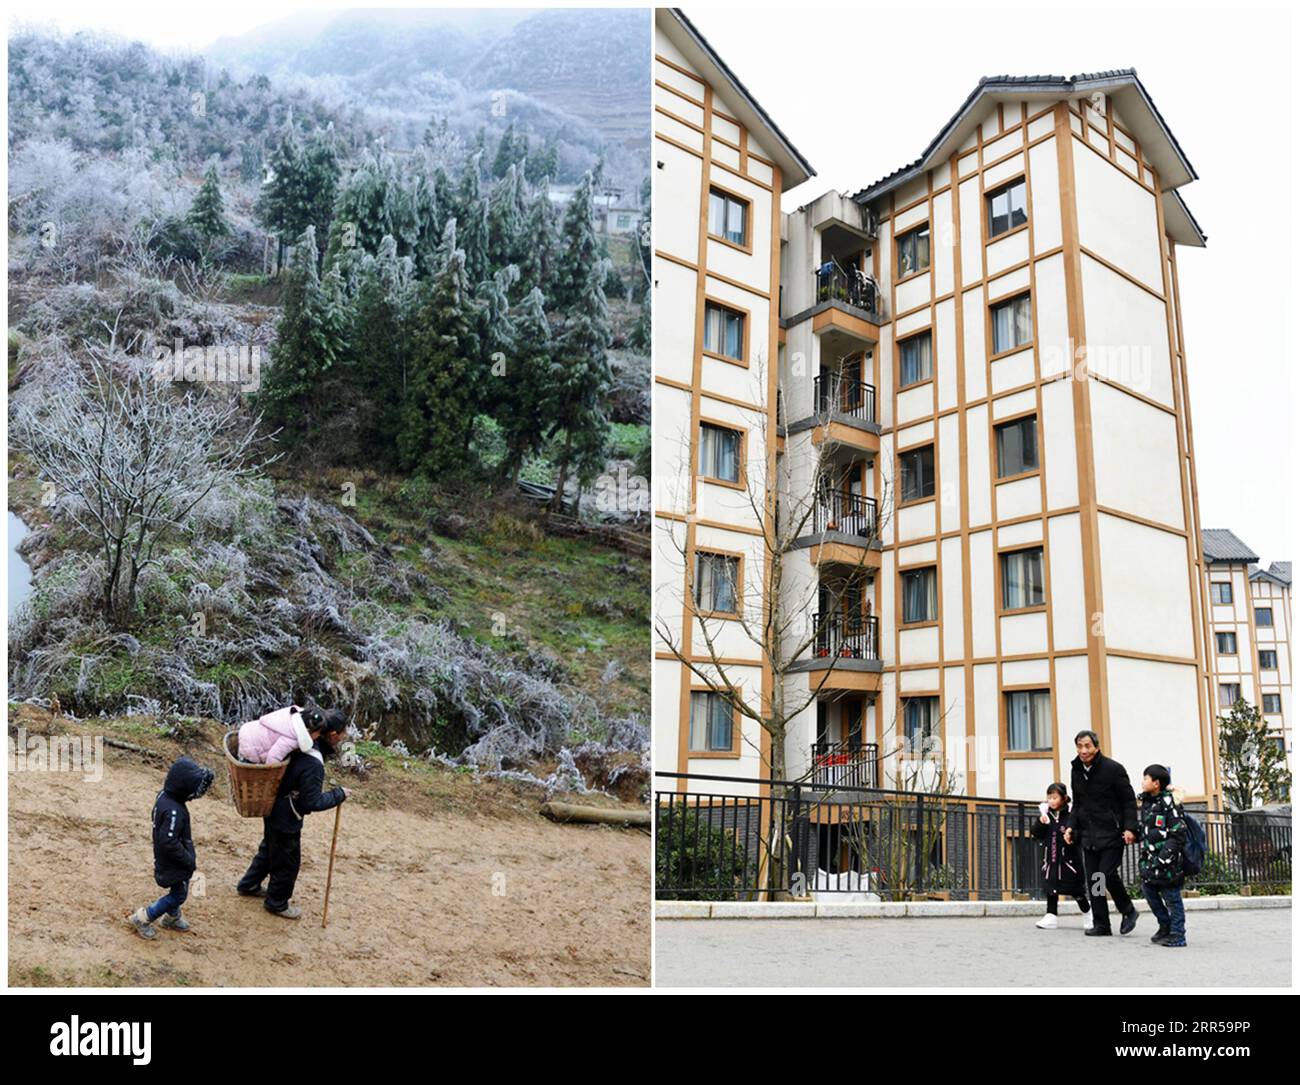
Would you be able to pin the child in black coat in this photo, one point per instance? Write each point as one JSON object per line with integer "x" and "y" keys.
{"x": 174, "y": 860}
{"x": 1062, "y": 862}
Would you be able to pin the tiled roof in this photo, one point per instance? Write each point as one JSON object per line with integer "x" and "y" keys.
{"x": 1279, "y": 571}
{"x": 1220, "y": 544}
{"x": 1051, "y": 84}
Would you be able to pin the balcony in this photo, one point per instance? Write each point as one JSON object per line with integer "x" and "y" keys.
{"x": 845, "y": 513}
{"x": 847, "y": 308}
{"x": 853, "y": 288}
{"x": 847, "y": 636}
{"x": 838, "y": 395}
{"x": 844, "y": 764}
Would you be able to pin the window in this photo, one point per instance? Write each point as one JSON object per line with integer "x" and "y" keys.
{"x": 1220, "y": 591}
{"x": 1267, "y": 659}
{"x": 724, "y": 331}
{"x": 1264, "y": 616}
{"x": 1229, "y": 694}
{"x": 716, "y": 577}
{"x": 920, "y": 721}
{"x": 914, "y": 363}
{"x": 1029, "y": 720}
{"x": 728, "y": 217}
{"x": 914, "y": 251}
{"x": 1017, "y": 446}
{"x": 916, "y": 473}
{"x": 624, "y": 222}
{"x": 712, "y": 722}
{"x": 1013, "y": 324}
{"x": 719, "y": 452}
{"x": 1272, "y": 704}
{"x": 1007, "y": 208}
{"x": 1022, "y": 579}
{"x": 1225, "y": 644}
{"x": 920, "y": 603}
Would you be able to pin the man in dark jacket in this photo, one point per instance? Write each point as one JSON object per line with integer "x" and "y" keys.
{"x": 174, "y": 859}
{"x": 300, "y": 794}
{"x": 1103, "y": 819}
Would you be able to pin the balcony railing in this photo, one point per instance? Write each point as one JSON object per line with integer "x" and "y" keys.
{"x": 851, "y": 287}
{"x": 849, "y": 513}
{"x": 846, "y": 636}
{"x": 844, "y": 764}
{"x": 836, "y": 394}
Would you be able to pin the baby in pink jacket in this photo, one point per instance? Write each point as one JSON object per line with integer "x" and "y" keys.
{"x": 274, "y": 736}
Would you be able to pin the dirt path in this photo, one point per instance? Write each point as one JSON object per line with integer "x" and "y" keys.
{"x": 412, "y": 902}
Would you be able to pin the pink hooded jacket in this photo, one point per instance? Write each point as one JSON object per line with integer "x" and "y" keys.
{"x": 274, "y": 736}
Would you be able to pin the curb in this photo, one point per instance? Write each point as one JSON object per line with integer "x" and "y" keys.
{"x": 917, "y": 909}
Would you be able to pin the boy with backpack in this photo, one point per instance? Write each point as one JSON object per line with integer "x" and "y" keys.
{"x": 1171, "y": 848}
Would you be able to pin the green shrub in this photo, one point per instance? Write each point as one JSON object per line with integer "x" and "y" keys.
{"x": 706, "y": 862}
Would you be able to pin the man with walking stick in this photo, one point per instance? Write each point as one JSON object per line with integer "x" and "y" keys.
{"x": 301, "y": 793}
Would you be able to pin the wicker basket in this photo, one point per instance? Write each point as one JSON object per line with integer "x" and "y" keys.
{"x": 252, "y": 787}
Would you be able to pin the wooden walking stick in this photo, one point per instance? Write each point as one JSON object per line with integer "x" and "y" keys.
{"x": 329, "y": 876}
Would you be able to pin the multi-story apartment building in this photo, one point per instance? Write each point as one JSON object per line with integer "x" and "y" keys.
{"x": 1250, "y": 629}
{"x": 980, "y": 394}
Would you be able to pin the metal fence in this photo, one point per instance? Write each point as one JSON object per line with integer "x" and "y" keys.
{"x": 850, "y": 513}
{"x": 834, "y": 393}
{"x": 752, "y": 838}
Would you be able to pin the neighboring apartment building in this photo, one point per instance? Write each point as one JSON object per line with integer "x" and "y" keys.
{"x": 1037, "y": 569}
{"x": 1250, "y": 629}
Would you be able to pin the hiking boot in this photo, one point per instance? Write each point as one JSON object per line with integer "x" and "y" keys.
{"x": 1174, "y": 943}
{"x": 1130, "y": 921}
{"x": 1160, "y": 935}
{"x": 257, "y": 891}
{"x": 1047, "y": 923}
{"x": 1097, "y": 932}
{"x": 139, "y": 919}
{"x": 1084, "y": 904}
{"x": 175, "y": 922}
{"x": 289, "y": 911}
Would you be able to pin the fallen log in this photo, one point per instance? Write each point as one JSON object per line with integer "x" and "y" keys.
{"x": 597, "y": 815}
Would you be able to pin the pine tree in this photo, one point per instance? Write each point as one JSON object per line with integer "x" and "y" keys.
{"x": 537, "y": 264}
{"x": 281, "y": 205}
{"x": 472, "y": 224}
{"x": 579, "y": 251}
{"x": 506, "y": 151}
{"x": 438, "y": 414}
{"x": 528, "y": 374}
{"x": 504, "y": 223}
{"x": 581, "y": 379}
{"x": 308, "y": 343}
{"x": 380, "y": 347}
{"x": 207, "y": 212}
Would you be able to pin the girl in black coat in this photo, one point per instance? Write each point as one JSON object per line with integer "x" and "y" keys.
{"x": 1062, "y": 862}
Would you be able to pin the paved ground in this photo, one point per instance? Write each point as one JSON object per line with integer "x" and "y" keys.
{"x": 1245, "y": 948}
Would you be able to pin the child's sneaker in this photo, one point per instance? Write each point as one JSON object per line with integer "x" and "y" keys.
{"x": 139, "y": 919}
{"x": 1174, "y": 943}
{"x": 173, "y": 922}
{"x": 1047, "y": 923}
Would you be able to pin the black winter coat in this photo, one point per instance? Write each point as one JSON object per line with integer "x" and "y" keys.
{"x": 1164, "y": 839}
{"x": 1062, "y": 862}
{"x": 1104, "y": 803}
{"x": 173, "y": 846}
{"x": 300, "y": 792}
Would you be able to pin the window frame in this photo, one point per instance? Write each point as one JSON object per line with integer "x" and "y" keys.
{"x": 910, "y": 234}
{"x": 729, "y": 196}
{"x": 1216, "y": 584}
{"x": 1265, "y": 710}
{"x": 1267, "y": 652}
{"x": 924, "y": 334}
{"x": 738, "y": 564}
{"x": 1026, "y": 296}
{"x": 1264, "y": 610}
{"x": 1012, "y": 551}
{"x": 742, "y": 440}
{"x": 1000, "y": 189}
{"x": 914, "y": 570}
{"x": 930, "y": 728}
{"x": 1229, "y": 685}
{"x": 734, "y": 750}
{"x": 1008, "y": 692}
{"x": 1004, "y": 424}
{"x": 738, "y": 310}
{"x": 1218, "y": 650}
{"x": 903, "y": 499}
